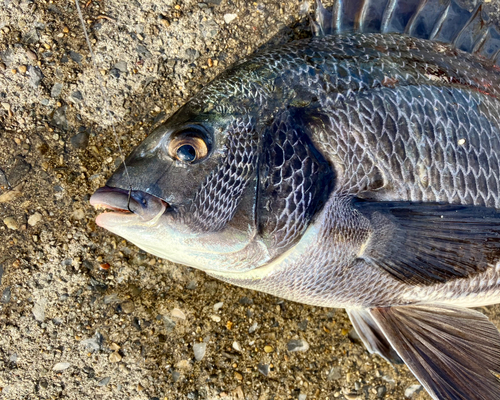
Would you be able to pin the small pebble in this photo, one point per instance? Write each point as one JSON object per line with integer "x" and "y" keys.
{"x": 39, "y": 309}
{"x": 140, "y": 388}
{"x": 191, "y": 285}
{"x": 78, "y": 214}
{"x": 246, "y": 301}
{"x": 253, "y": 328}
{"x": 94, "y": 343}
{"x": 302, "y": 396}
{"x": 238, "y": 393}
{"x": 56, "y": 90}
{"x": 31, "y": 55}
{"x": 6, "y": 106}
{"x": 128, "y": 307}
{"x": 237, "y": 346}
{"x": 199, "y": 350}
{"x": 22, "y": 69}
{"x": 6, "y": 295}
{"x": 11, "y": 223}
{"x": 268, "y": 349}
{"x": 176, "y": 376}
{"x": 297, "y": 345}
{"x": 411, "y": 390}
{"x": 381, "y": 391}
{"x": 61, "y": 366}
{"x": 115, "y": 357}
{"x": 176, "y": 313}
{"x": 34, "y": 219}
{"x": 114, "y": 347}
{"x": 228, "y": 18}
{"x": 334, "y": 374}
{"x": 215, "y": 318}
{"x": 104, "y": 381}
{"x": 263, "y": 369}
{"x": 238, "y": 376}
{"x": 104, "y": 266}
{"x": 183, "y": 364}
{"x": 218, "y": 306}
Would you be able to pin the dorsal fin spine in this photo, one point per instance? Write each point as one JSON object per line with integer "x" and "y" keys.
{"x": 440, "y": 22}
{"x": 475, "y": 14}
{"x": 389, "y": 10}
{"x": 337, "y": 16}
{"x": 481, "y": 41}
{"x": 359, "y": 24}
{"x": 412, "y": 20}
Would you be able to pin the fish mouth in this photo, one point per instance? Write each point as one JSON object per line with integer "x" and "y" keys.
{"x": 122, "y": 206}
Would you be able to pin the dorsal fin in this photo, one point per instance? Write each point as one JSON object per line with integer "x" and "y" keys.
{"x": 440, "y": 20}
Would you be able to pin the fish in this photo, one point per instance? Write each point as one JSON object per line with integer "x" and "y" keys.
{"x": 358, "y": 168}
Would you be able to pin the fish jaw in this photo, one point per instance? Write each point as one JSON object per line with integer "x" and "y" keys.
{"x": 149, "y": 223}
{"x": 126, "y": 206}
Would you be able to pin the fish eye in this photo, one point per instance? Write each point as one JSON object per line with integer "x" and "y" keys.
{"x": 188, "y": 148}
{"x": 186, "y": 153}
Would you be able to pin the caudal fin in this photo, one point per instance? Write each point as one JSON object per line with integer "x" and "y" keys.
{"x": 454, "y": 352}
{"x": 440, "y": 20}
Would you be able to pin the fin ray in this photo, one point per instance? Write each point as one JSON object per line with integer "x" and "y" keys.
{"x": 454, "y": 352}
{"x": 425, "y": 243}
{"x": 440, "y": 20}
{"x": 371, "y": 335}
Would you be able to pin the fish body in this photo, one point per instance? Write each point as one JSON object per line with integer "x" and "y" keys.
{"x": 356, "y": 169}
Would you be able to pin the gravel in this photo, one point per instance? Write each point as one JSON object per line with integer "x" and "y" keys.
{"x": 199, "y": 350}
{"x": 58, "y": 306}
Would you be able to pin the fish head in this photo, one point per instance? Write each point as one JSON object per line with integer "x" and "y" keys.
{"x": 188, "y": 192}
{"x": 227, "y": 183}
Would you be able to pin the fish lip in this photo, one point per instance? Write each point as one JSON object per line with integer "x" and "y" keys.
{"x": 101, "y": 199}
{"x": 127, "y": 204}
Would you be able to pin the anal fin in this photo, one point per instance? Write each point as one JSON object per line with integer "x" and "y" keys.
{"x": 454, "y": 352}
{"x": 371, "y": 335}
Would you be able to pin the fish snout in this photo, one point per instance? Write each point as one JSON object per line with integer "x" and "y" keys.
{"x": 120, "y": 200}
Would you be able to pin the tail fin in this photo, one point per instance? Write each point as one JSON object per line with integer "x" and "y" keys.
{"x": 440, "y": 20}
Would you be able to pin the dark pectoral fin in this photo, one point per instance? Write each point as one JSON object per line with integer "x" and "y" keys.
{"x": 454, "y": 352}
{"x": 427, "y": 243}
{"x": 371, "y": 335}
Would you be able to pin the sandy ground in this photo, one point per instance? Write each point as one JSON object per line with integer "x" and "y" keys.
{"x": 85, "y": 315}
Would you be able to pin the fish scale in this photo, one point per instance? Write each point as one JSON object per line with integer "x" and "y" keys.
{"x": 356, "y": 169}
{"x": 397, "y": 155}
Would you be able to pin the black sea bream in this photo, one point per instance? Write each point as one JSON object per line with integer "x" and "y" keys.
{"x": 356, "y": 169}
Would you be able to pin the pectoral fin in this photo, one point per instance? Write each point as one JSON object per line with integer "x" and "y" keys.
{"x": 425, "y": 243}
{"x": 454, "y": 352}
{"x": 371, "y": 335}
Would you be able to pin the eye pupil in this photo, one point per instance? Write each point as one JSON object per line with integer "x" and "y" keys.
{"x": 186, "y": 153}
